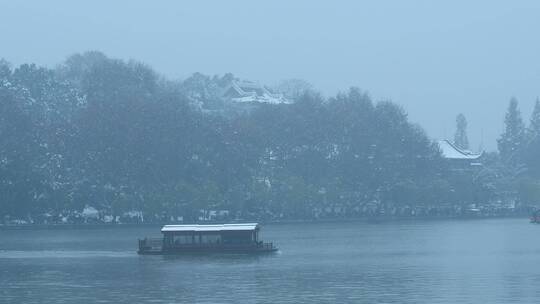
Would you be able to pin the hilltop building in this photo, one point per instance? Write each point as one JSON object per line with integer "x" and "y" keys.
{"x": 251, "y": 92}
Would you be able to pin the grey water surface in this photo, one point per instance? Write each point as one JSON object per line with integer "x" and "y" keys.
{"x": 448, "y": 261}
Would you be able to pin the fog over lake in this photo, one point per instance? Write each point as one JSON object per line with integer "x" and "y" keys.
{"x": 269, "y": 151}
{"x": 399, "y": 262}
{"x": 436, "y": 59}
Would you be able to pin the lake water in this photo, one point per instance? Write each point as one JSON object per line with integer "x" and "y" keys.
{"x": 450, "y": 261}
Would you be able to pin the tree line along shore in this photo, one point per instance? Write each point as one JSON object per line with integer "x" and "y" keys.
{"x": 97, "y": 139}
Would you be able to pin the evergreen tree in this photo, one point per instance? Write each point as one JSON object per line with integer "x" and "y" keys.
{"x": 532, "y": 149}
{"x": 460, "y": 138}
{"x": 513, "y": 136}
{"x": 534, "y": 127}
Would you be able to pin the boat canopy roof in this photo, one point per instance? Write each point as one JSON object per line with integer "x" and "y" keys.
{"x": 210, "y": 228}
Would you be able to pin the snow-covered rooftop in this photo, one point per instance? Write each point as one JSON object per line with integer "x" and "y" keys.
{"x": 450, "y": 151}
{"x": 246, "y": 91}
{"x": 210, "y": 228}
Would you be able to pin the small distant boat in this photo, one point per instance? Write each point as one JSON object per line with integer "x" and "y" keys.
{"x": 535, "y": 218}
{"x": 224, "y": 238}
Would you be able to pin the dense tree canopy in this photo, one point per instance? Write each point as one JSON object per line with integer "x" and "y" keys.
{"x": 115, "y": 135}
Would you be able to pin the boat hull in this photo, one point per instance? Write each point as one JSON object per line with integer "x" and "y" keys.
{"x": 225, "y": 250}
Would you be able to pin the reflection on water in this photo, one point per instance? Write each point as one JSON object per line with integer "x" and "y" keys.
{"x": 62, "y": 254}
{"x": 488, "y": 261}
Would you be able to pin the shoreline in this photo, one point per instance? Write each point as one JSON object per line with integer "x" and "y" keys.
{"x": 372, "y": 220}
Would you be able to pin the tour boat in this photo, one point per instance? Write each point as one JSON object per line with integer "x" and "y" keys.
{"x": 224, "y": 238}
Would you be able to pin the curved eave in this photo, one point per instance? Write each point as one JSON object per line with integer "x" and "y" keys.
{"x": 450, "y": 151}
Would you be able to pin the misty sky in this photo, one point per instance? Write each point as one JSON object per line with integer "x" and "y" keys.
{"x": 435, "y": 59}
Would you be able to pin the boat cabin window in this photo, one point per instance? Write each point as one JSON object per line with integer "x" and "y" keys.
{"x": 182, "y": 239}
{"x": 193, "y": 238}
{"x": 237, "y": 237}
{"x": 210, "y": 239}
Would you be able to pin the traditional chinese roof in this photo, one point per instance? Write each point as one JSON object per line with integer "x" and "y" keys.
{"x": 451, "y": 151}
{"x": 246, "y": 91}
